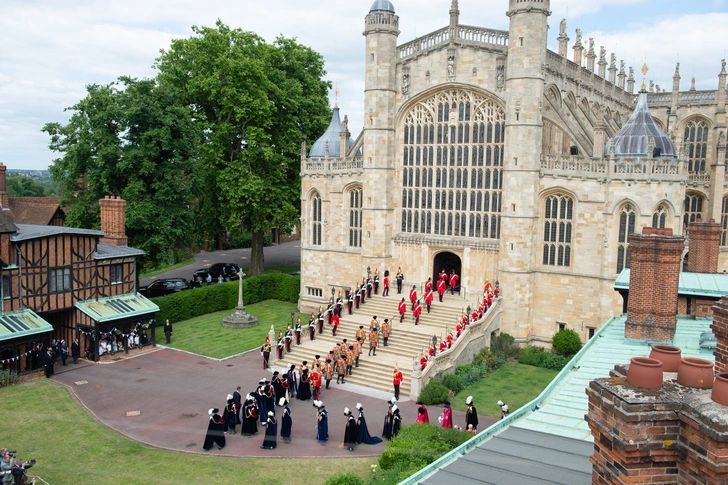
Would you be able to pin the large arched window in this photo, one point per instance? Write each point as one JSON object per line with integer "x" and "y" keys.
{"x": 355, "y": 214}
{"x": 316, "y": 219}
{"x": 558, "y": 217}
{"x": 724, "y": 222}
{"x": 659, "y": 217}
{"x": 627, "y": 219}
{"x": 696, "y": 142}
{"x": 453, "y": 154}
{"x": 693, "y": 209}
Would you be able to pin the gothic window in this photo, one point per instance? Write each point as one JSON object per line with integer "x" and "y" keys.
{"x": 316, "y": 220}
{"x": 659, "y": 218}
{"x": 696, "y": 143}
{"x": 724, "y": 222}
{"x": 454, "y": 131}
{"x": 558, "y": 217}
{"x": 693, "y": 209}
{"x": 355, "y": 213}
{"x": 626, "y": 227}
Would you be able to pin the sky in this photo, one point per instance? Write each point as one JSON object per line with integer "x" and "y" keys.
{"x": 51, "y": 49}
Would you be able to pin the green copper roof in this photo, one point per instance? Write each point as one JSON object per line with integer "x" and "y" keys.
{"x": 21, "y": 323}
{"x": 117, "y": 307}
{"x": 692, "y": 284}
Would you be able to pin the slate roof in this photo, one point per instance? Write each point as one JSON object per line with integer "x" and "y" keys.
{"x": 6, "y": 224}
{"x": 382, "y": 6}
{"x": 109, "y": 251}
{"x": 34, "y": 210}
{"x": 27, "y": 232}
{"x": 114, "y": 308}
{"x": 711, "y": 285}
{"x": 331, "y": 135}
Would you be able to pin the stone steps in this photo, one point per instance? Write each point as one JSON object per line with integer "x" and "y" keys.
{"x": 406, "y": 343}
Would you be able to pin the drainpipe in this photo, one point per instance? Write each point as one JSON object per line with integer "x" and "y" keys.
{"x": 20, "y": 278}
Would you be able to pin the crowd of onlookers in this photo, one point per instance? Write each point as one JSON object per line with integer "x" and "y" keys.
{"x": 14, "y": 470}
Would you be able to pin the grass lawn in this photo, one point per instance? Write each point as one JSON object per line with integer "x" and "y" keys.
{"x": 205, "y": 334}
{"x": 42, "y": 421}
{"x": 155, "y": 272}
{"x": 513, "y": 383}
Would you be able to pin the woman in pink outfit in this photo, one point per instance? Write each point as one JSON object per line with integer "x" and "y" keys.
{"x": 422, "y": 416}
{"x": 447, "y": 416}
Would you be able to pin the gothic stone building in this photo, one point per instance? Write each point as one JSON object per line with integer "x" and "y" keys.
{"x": 484, "y": 151}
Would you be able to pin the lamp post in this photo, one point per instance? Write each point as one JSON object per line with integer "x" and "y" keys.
{"x": 293, "y": 315}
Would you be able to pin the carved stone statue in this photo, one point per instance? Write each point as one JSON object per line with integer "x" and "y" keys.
{"x": 405, "y": 84}
{"x": 500, "y": 76}
{"x": 621, "y": 67}
{"x": 692, "y": 84}
{"x": 578, "y": 37}
{"x": 591, "y": 44}
{"x": 562, "y": 27}
{"x": 602, "y": 54}
{"x": 451, "y": 66}
{"x": 721, "y": 139}
{"x": 722, "y": 65}
{"x": 612, "y": 60}
{"x": 345, "y": 124}
{"x": 631, "y": 72}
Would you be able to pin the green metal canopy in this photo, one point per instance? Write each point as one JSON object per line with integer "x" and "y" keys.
{"x": 710, "y": 285}
{"x": 21, "y": 323}
{"x": 119, "y": 307}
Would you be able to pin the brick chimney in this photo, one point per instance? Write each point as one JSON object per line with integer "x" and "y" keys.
{"x": 704, "y": 245}
{"x": 113, "y": 220}
{"x": 655, "y": 257}
{"x": 4, "y": 197}
{"x": 720, "y": 330}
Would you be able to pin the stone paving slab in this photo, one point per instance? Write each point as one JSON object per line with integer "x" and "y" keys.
{"x": 168, "y": 393}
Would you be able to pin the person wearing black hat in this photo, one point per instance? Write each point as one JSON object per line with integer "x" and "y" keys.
{"x": 387, "y": 429}
{"x": 238, "y": 401}
{"x": 362, "y": 430}
{"x": 304, "y": 385}
{"x": 351, "y": 434}
{"x": 396, "y": 420}
{"x": 292, "y": 381}
{"x": 271, "y": 432}
{"x": 471, "y": 415}
{"x": 250, "y": 417}
{"x": 49, "y": 362}
{"x": 229, "y": 415}
{"x": 278, "y": 385}
{"x": 215, "y": 431}
{"x": 286, "y": 421}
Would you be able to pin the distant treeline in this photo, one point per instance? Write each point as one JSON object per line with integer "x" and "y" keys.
{"x": 22, "y": 186}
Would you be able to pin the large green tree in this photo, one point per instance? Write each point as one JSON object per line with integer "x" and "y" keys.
{"x": 256, "y": 103}
{"x": 136, "y": 139}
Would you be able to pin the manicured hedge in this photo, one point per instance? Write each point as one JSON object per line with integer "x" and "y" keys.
{"x": 224, "y": 296}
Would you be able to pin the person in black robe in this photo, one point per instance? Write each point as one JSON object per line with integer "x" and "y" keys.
{"x": 286, "y": 421}
{"x": 396, "y": 421}
{"x": 304, "y": 386}
{"x": 363, "y": 432}
{"x": 271, "y": 432}
{"x": 250, "y": 417}
{"x": 471, "y": 415}
{"x": 292, "y": 381}
{"x": 229, "y": 416}
{"x": 238, "y": 401}
{"x": 263, "y": 412}
{"x": 351, "y": 434}
{"x": 269, "y": 396}
{"x": 322, "y": 426}
{"x": 278, "y": 385}
{"x": 215, "y": 431}
{"x": 387, "y": 430}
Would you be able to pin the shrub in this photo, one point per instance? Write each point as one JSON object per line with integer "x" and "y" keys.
{"x": 486, "y": 357}
{"x": 453, "y": 382}
{"x": 420, "y": 445}
{"x": 463, "y": 369}
{"x": 434, "y": 392}
{"x": 200, "y": 301}
{"x": 345, "y": 479}
{"x": 532, "y": 355}
{"x": 566, "y": 342}
{"x": 8, "y": 378}
{"x": 504, "y": 345}
{"x": 554, "y": 362}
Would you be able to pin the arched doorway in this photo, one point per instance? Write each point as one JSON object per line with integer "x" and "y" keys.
{"x": 450, "y": 262}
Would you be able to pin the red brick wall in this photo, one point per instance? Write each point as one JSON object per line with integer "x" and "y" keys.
{"x": 654, "y": 275}
{"x": 113, "y": 220}
{"x": 704, "y": 246}
{"x": 720, "y": 330}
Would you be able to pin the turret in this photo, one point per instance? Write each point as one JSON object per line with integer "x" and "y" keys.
{"x": 381, "y": 29}
{"x": 523, "y": 134}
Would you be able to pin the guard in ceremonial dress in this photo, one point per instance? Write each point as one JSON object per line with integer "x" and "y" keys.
{"x": 453, "y": 282}
{"x": 385, "y": 284}
{"x": 280, "y": 344}
{"x": 350, "y": 301}
{"x": 265, "y": 352}
{"x": 373, "y": 341}
{"x": 400, "y": 280}
{"x": 386, "y": 328}
{"x": 413, "y": 296}
{"x": 288, "y": 338}
{"x": 428, "y": 299}
{"x": 376, "y": 281}
{"x": 402, "y": 309}
{"x": 397, "y": 378}
{"x": 441, "y": 287}
{"x": 335, "y": 323}
{"x": 417, "y": 311}
{"x": 299, "y": 331}
{"x": 312, "y": 327}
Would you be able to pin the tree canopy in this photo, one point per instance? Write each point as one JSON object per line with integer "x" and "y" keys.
{"x": 211, "y": 145}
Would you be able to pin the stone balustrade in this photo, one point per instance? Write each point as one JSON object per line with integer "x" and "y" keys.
{"x": 639, "y": 169}
{"x": 475, "y": 337}
{"x": 465, "y": 35}
{"x": 331, "y": 166}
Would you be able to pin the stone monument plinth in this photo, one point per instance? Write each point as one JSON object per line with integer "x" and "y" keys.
{"x": 241, "y": 318}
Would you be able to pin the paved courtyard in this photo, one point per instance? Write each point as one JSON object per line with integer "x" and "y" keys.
{"x": 168, "y": 393}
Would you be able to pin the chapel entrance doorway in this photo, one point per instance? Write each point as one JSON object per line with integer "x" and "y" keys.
{"x": 450, "y": 262}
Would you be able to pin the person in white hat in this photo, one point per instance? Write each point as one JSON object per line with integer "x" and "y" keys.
{"x": 504, "y": 411}
{"x": 361, "y": 427}
{"x": 351, "y": 434}
{"x": 215, "y": 431}
{"x": 322, "y": 427}
{"x": 250, "y": 417}
{"x": 271, "y": 432}
{"x": 471, "y": 415}
{"x": 387, "y": 429}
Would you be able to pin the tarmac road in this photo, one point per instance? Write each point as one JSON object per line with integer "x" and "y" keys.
{"x": 286, "y": 254}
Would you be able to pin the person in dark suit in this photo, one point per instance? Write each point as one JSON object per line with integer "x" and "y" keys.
{"x": 75, "y": 351}
{"x": 168, "y": 330}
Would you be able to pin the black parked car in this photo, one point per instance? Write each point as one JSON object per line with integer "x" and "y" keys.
{"x": 164, "y": 287}
{"x": 229, "y": 271}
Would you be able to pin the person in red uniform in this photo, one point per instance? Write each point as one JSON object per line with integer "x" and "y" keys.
{"x": 402, "y": 308}
{"x": 316, "y": 382}
{"x": 385, "y": 285}
{"x": 397, "y": 379}
{"x": 443, "y": 275}
{"x": 413, "y": 295}
{"x": 423, "y": 362}
{"x": 428, "y": 284}
{"x": 453, "y": 282}
{"x": 428, "y": 299}
{"x": 474, "y": 316}
{"x": 443, "y": 345}
{"x": 335, "y": 323}
{"x": 417, "y": 312}
{"x": 441, "y": 287}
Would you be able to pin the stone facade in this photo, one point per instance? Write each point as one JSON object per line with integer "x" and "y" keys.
{"x": 475, "y": 140}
